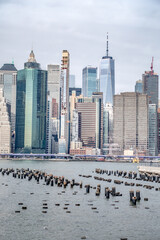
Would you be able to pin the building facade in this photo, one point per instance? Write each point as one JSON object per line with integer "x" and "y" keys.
{"x": 8, "y": 82}
{"x": 31, "y": 107}
{"x": 65, "y": 121}
{"x": 138, "y": 86}
{"x": 158, "y": 129}
{"x": 151, "y": 86}
{"x": 53, "y": 118}
{"x": 89, "y": 81}
{"x": 107, "y": 127}
{"x": 153, "y": 151}
{"x": 90, "y": 120}
{"x": 107, "y": 77}
{"x": 5, "y": 126}
{"x": 130, "y": 122}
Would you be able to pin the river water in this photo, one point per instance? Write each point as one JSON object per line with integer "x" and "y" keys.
{"x": 114, "y": 218}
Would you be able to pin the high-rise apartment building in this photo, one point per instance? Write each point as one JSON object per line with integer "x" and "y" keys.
{"x": 138, "y": 86}
{"x": 89, "y": 81}
{"x": 150, "y": 85}
{"x": 54, "y": 77}
{"x": 130, "y": 121}
{"x": 8, "y": 82}
{"x": 5, "y": 126}
{"x": 31, "y": 107}
{"x": 64, "y": 134}
{"x": 107, "y": 77}
{"x": 153, "y": 130}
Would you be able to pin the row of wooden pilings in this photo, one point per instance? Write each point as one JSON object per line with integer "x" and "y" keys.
{"x": 131, "y": 175}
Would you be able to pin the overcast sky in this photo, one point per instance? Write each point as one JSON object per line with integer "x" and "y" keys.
{"x": 80, "y": 26}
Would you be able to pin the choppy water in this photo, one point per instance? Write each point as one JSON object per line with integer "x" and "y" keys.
{"x": 106, "y": 222}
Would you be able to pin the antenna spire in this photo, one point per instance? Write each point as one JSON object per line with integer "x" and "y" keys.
{"x": 107, "y": 45}
{"x": 152, "y": 66}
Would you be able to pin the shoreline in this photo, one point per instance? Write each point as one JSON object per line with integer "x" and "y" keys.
{"x": 77, "y": 160}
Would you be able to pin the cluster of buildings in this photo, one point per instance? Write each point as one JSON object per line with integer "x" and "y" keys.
{"x": 41, "y": 111}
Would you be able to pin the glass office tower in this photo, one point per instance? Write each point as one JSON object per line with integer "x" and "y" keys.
{"x": 89, "y": 81}
{"x": 31, "y": 107}
{"x": 107, "y": 78}
{"x": 138, "y": 86}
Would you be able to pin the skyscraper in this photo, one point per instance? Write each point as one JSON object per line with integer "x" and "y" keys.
{"x": 158, "y": 129}
{"x": 54, "y": 77}
{"x": 90, "y": 120}
{"x": 138, "y": 86}
{"x": 130, "y": 118}
{"x": 89, "y": 81}
{"x": 153, "y": 130}
{"x": 31, "y": 107}
{"x": 150, "y": 85}
{"x": 107, "y": 77}
{"x": 5, "y": 126}
{"x": 8, "y": 82}
{"x": 64, "y": 134}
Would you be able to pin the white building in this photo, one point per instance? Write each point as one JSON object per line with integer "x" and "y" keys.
{"x": 5, "y": 126}
{"x": 8, "y": 82}
{"x": 53, "y": 117}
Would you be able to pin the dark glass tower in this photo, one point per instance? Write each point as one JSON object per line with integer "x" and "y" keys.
{"x": 31, "y": 107}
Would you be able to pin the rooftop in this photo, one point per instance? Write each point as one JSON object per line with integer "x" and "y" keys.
{"x": 8, "y": 67}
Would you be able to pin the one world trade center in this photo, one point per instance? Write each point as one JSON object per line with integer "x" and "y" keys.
{"x": 107, "y": 77}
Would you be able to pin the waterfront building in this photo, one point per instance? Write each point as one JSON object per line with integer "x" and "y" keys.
{"x": 5, "y": 125}
{"x": 151, "y": 85}
{"x": 54, "y": 77}
{"x": 89, "y": 81}
{"x": 71, "y": 81}
{"x": 65, "y": 126}
{"x": 8, "y": 82}
{"x": 107, "y": 127}
{"x": 138, "y": 86}
{"x": 107, "y": 77}
{"x": 153, "y": 130}
{"x": 158, "y": 129}
{"x": 130, "y": 121}
{"x": 31, "y": 107}
{"x": 77, "y": 90}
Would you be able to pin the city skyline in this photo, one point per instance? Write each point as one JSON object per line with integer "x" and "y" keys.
{"x": 132, "y": 23}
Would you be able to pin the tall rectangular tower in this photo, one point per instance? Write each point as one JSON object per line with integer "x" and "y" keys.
{"x": 150, "y": 85}
{"x": 8, "y": 82}
{"x": 54, "y": 77}
{"x": 130, "y": 118}
{"x": 65, "y": 98}
{"x": 89, "y": 81}
{"x": 31, "y": 107}
{"x": 107, "y": 77}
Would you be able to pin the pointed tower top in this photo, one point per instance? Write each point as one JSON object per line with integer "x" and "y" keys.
{"x": 107, "y": 46}
{"x": 152, "y": 66}
{"x": 31, "y": 57}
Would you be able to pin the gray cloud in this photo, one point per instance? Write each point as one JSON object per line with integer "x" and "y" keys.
{"x": 81, "y": 27}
